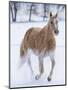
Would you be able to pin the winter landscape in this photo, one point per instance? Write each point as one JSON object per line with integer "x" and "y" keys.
{"x": 19, "y": 24}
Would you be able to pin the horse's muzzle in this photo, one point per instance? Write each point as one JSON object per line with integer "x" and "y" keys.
{"x": 56, "y": 32}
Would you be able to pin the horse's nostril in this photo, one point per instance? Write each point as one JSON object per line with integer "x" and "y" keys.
{"x": 56, "y": 31}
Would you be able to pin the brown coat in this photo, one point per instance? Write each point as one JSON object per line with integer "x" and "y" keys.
{"x": 38, "y": 39}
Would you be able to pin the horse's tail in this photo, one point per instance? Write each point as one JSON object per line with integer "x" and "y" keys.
{"x": 23, "y": 55}
{"x": 24, "y": 47}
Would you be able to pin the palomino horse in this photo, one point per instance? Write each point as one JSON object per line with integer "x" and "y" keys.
{"x": 42, "y": 42}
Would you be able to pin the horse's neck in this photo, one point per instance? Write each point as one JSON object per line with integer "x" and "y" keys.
{"x": 47, "y": 29}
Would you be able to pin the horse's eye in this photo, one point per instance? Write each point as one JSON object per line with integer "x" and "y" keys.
{"x": 51, "y": 22}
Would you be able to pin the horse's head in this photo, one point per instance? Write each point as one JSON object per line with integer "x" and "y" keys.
{"x": 53, "y": 23}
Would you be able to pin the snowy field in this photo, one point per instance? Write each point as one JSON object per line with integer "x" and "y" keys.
{"x": 22, "y": 77}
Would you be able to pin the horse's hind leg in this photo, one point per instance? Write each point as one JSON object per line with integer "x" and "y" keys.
{"x": 29, "y": 63}
{"x": 41, "y": 68}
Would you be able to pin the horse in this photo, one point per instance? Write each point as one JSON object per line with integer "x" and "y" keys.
{"x": 42, "y": 42}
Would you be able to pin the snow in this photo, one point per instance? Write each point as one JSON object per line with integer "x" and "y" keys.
{"x": 22, "y": 77}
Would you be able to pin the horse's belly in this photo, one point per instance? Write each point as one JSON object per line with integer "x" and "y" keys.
{"x": 37, "y": 53}
{"x": 42, "y": 54}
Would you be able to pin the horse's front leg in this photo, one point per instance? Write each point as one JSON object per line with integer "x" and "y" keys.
{"x": 41, "y": 68}
{"x": 52, "y": 68}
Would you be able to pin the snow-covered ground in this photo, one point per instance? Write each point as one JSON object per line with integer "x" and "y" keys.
{"x": 22, "y": 77}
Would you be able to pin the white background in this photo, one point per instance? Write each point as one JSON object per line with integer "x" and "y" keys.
{"x": 4, "y": 44}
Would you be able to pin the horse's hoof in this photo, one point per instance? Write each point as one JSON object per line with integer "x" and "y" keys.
{"x": 37, "y": 77}
{"x": 49, "y": 79}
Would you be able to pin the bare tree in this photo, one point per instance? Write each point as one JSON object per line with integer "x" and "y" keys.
{"x": 33, "y": 10}
{"x": 13, "y": 7}
{"x": 30, "y": 12}
{"x": 44, "y": 6}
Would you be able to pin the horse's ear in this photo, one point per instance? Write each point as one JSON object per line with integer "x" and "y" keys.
{"x": 50, "y": 14}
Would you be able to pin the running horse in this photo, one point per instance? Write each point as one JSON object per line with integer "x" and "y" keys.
{"x": 43, "y": 43}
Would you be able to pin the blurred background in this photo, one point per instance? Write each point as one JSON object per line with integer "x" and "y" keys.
{"x": 27, "y": 12}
